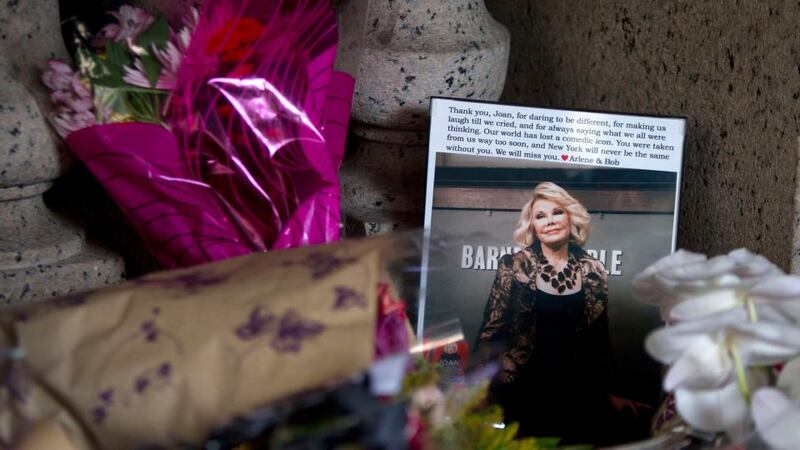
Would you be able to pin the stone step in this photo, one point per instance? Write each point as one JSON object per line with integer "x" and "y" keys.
{"x": 91, "y": 268}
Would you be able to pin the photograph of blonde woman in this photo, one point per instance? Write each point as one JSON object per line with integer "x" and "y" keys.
{"x": 535, "y": 245}
{"x": 540, "y": 284}
{"x": 548, "y": 308}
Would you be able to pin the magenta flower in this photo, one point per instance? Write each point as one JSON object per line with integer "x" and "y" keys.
{"x": 132, "y": 21}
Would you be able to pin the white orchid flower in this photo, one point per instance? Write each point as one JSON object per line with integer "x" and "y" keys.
{"x": 776, "y": 411}
{"x": 706, "y": 353}
{"x": 688, "y": 285}
{"x": 722, "y": 409}
{"x": 709, "y": 361}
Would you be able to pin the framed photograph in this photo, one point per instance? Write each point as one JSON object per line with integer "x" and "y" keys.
{"x": 554, "y": 213}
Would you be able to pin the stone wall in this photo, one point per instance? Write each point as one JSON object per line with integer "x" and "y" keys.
{"x": 731, "y": 68}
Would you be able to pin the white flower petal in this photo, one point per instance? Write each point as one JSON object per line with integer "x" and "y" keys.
{"x": 765, "y": 343}
{"x": 705, "y": 365}
{"x": 713, "y": 410}
{"x": 790, "y": 310}
{"x": 789, "y": 379}
{"x": 777, "y": 312}
{"x": 704, "y": 270}
{"x": 705, "y": 303}
{"x": 750, "y": 265}
{"x": 643, "y": 285}
{"x": 782, "y": 287}
{"x": 776, "y": 419}
{"x": 668, "y": 343}
{"x": 648, "y": 291}
{"x": 665, "y": 310}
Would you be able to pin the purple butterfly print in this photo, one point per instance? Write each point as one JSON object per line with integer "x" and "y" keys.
{"x": 257, "y": 325}
{"x": 99, "y": 415}
{"x": 347, "y": 298}
{"x": 140, "y": 384}
{"x": 107, "y": 396}
{"x": 150, "y": 331}
{"x": 293, "y": 329}
{"x": 192, "y": 282}
{"x": 321, "y": 264}
{"x": 165, "y": 370}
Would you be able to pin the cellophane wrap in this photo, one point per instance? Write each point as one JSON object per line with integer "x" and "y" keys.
{"x": 164, "y": 359}
{"x": 256, "y": 130}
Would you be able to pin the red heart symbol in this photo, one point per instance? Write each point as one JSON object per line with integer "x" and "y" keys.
{"x": 564, "y": 157}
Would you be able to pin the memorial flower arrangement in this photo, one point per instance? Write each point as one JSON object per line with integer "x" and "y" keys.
{"x": 217, "y": 138}
{"x": 732, "y": 342}
{"x": 125, "y": 73}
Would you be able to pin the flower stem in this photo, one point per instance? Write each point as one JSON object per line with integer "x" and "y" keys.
{"x": 741, "y": 376}
{"x": 751, "y": 311}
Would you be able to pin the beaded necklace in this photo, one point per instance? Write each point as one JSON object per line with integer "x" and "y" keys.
{"x": 563, "y": 279}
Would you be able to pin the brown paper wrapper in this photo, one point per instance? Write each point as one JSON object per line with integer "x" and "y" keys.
{"x": 163, "y": 359}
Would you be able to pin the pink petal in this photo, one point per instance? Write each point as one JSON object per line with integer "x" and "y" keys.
{"x": 132, "y": 21}
{"x": 65, "y": 125}
{"x": 79, "y": 88}
{"x": 135, "y": 78}
{"x": 56, "y": 81}
{"x": 108, "y": 32}
{"x": 80, "y": 104}
{"x": 59, "y": 67}
{"x": 61, "y": 97}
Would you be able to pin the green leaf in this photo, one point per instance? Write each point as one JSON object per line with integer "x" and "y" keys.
{"x": 117, "y": 55}
{"x": 110, "y": 99}
{"x": 548, "y": 442}
{"x": 152, "y": 68}
{"x": 104, "y": 70}
{"x": 92, "y": 66}
{"x": 156, "y": 35}
{"x": 145, "y": 107}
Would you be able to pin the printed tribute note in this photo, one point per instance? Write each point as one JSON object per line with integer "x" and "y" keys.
{"x": 579, "y": 137}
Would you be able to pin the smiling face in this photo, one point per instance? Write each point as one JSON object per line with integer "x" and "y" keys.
{"x": 551, "y": 222}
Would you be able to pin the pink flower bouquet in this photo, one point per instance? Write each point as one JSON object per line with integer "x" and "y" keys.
{"x": 218, "y": 139}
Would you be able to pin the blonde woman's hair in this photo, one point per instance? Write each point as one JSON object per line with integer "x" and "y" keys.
{"x": 580, "y": 222}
